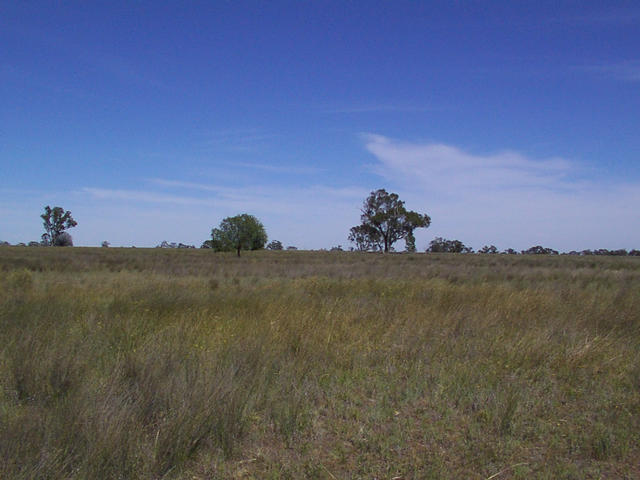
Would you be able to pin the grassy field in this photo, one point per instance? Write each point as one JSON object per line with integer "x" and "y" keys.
{"x": 150, "y": 363}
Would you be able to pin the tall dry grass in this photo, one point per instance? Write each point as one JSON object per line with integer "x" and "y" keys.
{"x": 122, "y": 363}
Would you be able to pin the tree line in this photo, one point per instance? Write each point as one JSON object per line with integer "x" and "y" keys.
{"x": 384, "y": 221}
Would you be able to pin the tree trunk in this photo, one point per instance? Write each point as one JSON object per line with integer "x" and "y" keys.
{"x": 238, "y": 251}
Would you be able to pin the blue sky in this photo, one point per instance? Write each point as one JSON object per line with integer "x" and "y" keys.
{"x": 509, "y": 123}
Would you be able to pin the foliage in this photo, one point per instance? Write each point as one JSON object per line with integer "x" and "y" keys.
{"x": 540, "y": 250}
{"x": 275, "y": 245}
{"x": 410, "y": 243}
{"x": 63, "y": 240}
{"x": 105, "y": 244}
{"x": 603, "y": 251}
{"x": 488, "y": 249}
{"x": 365, "y": 237}
{"x": 442, "y": 245}
{"x": 242, "y": 232}
{"x": 385, "y": 220}
{"x": 56, "y": 221}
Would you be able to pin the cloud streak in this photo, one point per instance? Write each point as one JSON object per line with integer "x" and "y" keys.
{"x": 380, "y": 108}
{"x": 626, "y": 71}
{"x": 309, "y": 217}
{"x": 429, "y": 163}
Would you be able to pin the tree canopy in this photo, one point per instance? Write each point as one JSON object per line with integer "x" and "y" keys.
{"x": 385, "y": 220}
{"x": 56, "y": 220}
{"x": 443, "y": 245}
{"x": 242, "y": 232}
{"x": 275, "y": 245}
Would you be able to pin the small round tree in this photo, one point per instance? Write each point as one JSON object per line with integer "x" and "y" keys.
{"x": 242, "y": 232}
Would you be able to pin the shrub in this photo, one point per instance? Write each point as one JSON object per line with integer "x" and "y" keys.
{"x": 63, "y": 240}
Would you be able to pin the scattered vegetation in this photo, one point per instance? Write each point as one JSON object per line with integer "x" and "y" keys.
{"x": 167, "y": 363}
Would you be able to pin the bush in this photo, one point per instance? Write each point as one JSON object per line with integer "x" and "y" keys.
{"x": 442, "y": 245}
{"x": 539, "y": 250}
{"x": 63, "y": 240}
{"x": 275, "y": 245}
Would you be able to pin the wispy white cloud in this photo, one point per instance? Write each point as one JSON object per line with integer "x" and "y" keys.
{"x": 379, "y": 108}
{"x": 188, "y": 185}
{"x": 507, "y": 198}
{"x": 142, "y": 196}
{"x": 115, "y": 66}
{"x": 308, "y": 217}
{"x": 285, "y": 169}
{"x": 611, "y": 16}
{"x": 237, "y": 140}
{"x": 628, "y": 71}
{"x": 428, "y": 163}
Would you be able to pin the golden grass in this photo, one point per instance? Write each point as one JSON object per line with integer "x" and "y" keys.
{"x": 136, "y": 363}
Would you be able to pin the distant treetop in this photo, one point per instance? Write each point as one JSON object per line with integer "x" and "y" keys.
{"x": 385, "y": 220}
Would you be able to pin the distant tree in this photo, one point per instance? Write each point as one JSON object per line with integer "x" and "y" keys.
{"x": 275, "y": 245}
{"x": 337, "y": 249}
{"x": 442, "y": 245}
{"x": 634, "y": 253}
{"x": 242, "y": 232}
{"x": 4, "y": 244}
{"x": 410, "y": 243}
{"x": 510, "y": 251}
{"x": 437, "y": 245}
{"x": 539, "y": 250}
{"x": 63, "y": 240}
{"x": 488, "y": 249}
{"x": 105, "y": 244}
{"x": 385, "y": 220}
{"x": 365, "y": 237}
{"x": 291, "y": 247}
{"x": 34, "y": 244}
{"x": 207, "y": 244}
{"x": 56, "y": 221}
